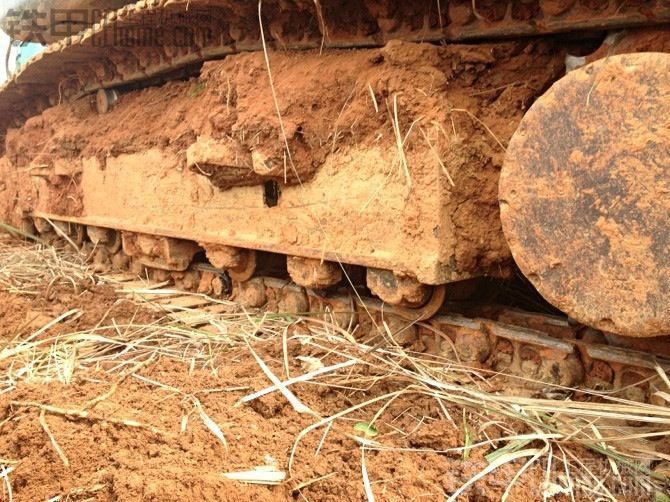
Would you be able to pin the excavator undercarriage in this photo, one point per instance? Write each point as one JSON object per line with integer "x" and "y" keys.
{"x": 408, "y": 169}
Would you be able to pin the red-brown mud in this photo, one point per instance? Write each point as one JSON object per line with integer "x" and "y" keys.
{"x": 169, "y": 458}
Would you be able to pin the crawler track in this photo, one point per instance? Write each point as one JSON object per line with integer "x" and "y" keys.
{"x": 154, "y": 39}
{"x": 536, "y": 347}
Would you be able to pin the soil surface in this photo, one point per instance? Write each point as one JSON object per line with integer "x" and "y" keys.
{"x": 142, "y": 434}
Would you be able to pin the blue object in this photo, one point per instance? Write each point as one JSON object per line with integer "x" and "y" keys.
{"x": 26, "y": 51}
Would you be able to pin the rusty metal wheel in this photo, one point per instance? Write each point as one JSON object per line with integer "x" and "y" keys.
{"x": 585, "y": 194}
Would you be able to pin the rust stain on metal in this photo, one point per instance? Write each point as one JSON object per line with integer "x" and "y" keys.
{"x": 585, "y": 194}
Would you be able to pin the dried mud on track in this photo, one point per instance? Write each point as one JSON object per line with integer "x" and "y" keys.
{"x": 118, "y": 402}
{"x": 403, "y": 144}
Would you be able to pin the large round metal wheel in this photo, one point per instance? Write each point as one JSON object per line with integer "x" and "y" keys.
{"x": 585, "y": 194}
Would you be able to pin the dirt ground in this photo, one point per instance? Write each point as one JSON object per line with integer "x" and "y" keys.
{"x": 116, "y": 462}
{"x": 129, "y": 424}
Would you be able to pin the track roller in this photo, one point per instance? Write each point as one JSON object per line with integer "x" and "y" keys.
{"x": 313, "y": 274}
{"x": 397, "y": 289}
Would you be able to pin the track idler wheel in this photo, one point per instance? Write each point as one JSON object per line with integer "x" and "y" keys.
{"x": 585, "y": 194}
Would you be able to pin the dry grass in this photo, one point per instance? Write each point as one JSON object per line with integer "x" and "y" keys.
{"x": 551, "y": 431}
{"x": 30, "y": 269}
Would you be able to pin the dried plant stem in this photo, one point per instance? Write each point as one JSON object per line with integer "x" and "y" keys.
{"x": 85, "y": 415}
{"x": 54, "y": 443}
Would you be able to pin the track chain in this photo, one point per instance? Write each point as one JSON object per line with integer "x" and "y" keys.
{"x": 155, "y": 39}
{"x": 539, "y": 348}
